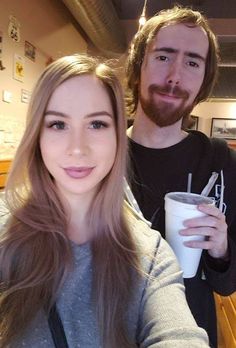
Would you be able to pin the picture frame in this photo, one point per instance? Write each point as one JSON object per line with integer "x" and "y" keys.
{"x": 18, "y": 68}
{"x": 25, "y": 96}
{"x": 223, "y": 128}
{"x": 194, "y": 125}
{"x": 30, "y": 51}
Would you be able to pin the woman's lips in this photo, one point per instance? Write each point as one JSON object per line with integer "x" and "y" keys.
{"x": 78, "y": 172}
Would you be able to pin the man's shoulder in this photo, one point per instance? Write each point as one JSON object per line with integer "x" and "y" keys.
{"x": 217, "y": 148}
{"x": 200, "y": 136}
{"x": 224, "y": 156}
{"x": 218, "y": 143}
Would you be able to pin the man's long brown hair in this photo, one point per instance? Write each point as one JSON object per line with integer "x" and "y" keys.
{"x": 35, "y": 253}
{"x": 148, "y": 32}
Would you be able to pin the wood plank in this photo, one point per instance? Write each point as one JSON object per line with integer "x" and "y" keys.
{"x": 3, "y": 178}
{"x": 226, "y": 320}
{"x": 4, "y": 169}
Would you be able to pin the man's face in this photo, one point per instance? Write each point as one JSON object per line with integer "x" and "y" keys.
{"x": 172, "y": 73}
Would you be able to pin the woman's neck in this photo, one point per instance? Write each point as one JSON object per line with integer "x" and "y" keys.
{"x": 77, "y": 208}
{"x": 78, "y": 230}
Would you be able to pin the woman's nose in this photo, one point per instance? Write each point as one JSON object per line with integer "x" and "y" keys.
{"x": 77, "y": 144}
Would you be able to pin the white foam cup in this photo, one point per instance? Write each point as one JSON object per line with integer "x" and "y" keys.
{"x": 180, "y": 206}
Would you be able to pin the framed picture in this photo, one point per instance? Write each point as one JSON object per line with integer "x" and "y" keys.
{"x": 25, "y": 96}
{"x": 223, "y": 128}
{"x": 194, "y": 124}
{"x": 18, "y": 73}
{"x": 30, "y": 51}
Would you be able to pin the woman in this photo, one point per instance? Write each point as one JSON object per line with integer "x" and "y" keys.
{"x": 71, "y": 241}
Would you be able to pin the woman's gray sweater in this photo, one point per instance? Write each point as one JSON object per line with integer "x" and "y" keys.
{"x": 157, "y": 316}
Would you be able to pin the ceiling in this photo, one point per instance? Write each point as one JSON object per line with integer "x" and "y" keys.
{"x": 131, "y": 9}
{"x": 110, "y": 24}
{"x": 221, "y": 17}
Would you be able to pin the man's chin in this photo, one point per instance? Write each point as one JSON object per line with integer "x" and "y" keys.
{"x": 165, "y": 117}
{"x": 164, "y": 113}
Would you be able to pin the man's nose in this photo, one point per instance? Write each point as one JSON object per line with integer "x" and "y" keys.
{"x": 174, "y": 75}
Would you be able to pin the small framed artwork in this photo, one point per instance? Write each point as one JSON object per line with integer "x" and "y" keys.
{"x": 30, "y": 51}
{"x": 25, "y": 96}
{"x": 223, "y": 128}
{"x": 18, "y": 73}
{"x": 193, "y": 122}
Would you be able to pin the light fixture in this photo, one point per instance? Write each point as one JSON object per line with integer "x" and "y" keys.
{"x": 142, "y": 19}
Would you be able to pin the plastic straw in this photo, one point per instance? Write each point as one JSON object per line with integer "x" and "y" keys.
{"x": 189, "y": 182}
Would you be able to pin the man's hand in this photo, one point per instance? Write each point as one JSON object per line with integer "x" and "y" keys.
{"x": 213, "y": 227}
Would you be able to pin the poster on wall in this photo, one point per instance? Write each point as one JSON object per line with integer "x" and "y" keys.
{"x": 18, "y": 73}
{"x": 223, "y": 128}
{"x": 25, "y": 96}
{"x": 14, "y": 29}
{"x": 30, "y": 51}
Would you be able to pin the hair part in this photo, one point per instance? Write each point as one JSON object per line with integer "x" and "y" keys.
{"x": 35, "y": 253}
{"x": 144, "y": 37}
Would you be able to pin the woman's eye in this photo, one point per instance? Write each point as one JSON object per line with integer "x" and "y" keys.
{"x": 58, "y": 125}
{"x": 98, "y": 125}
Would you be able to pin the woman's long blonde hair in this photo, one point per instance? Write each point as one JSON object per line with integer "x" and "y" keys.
{"x": 35, "y": 253}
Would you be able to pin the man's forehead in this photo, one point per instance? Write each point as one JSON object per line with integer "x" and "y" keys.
{"x": 181, "y": 36}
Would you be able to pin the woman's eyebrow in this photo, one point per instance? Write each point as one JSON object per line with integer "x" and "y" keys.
{"x": 92, "y": 114}
{"x": 100, "y": 113}
{"x": 55, "y": 113}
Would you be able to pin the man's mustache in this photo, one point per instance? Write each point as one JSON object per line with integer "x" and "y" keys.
{"x": 175, "y": 91}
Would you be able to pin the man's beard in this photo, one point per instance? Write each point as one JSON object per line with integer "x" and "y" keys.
{"x": 162, "y": 113}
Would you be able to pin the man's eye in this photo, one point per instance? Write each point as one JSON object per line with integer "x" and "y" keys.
{"x": 162, "y": 58}
{"x": 98, "y": 125}
{"x": 193, "y": 64}
{"x": 59, "y": 125}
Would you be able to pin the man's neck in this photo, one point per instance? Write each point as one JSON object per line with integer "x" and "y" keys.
{"x": 148, "y": 134}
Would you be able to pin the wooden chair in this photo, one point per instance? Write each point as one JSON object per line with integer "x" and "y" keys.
{"x": 226, "y": 317}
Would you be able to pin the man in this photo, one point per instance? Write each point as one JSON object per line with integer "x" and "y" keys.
{"x": 171, "y": 67}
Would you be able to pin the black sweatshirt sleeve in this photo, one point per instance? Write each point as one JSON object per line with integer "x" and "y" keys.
{"x": 221, "y": 275}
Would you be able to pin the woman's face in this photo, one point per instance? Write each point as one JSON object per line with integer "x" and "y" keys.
{"x": 78, "y": 137}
